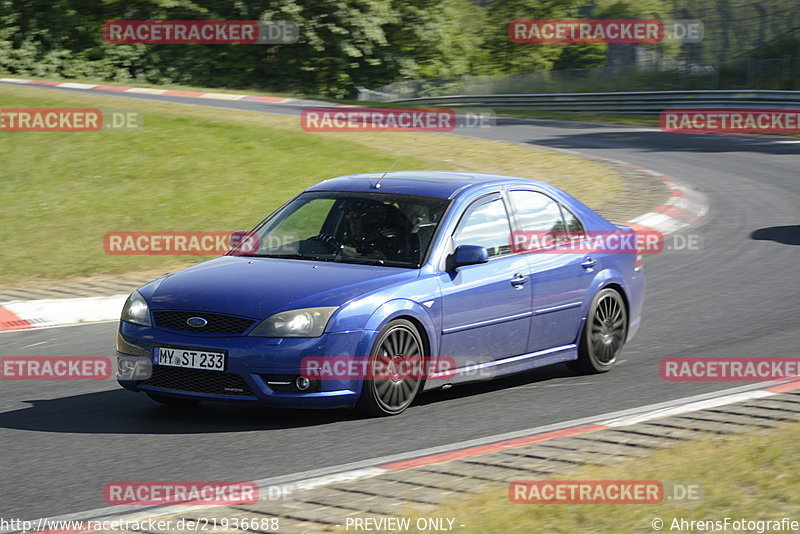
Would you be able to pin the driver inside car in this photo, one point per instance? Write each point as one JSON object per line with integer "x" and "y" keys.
{"x": 373, "y": 230}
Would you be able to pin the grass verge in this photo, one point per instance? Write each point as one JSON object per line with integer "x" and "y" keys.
{"x": 751, "y": 477}
{"x": 198, "y": 168}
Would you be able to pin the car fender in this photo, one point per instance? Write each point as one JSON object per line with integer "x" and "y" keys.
{"x": 404, "y": 307}
{"x": 604, "y": 278}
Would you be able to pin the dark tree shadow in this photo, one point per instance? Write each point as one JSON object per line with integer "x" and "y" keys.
{"x": 787, "y": 235}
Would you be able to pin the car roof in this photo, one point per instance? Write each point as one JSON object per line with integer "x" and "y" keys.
{"x": 440, "y": 184}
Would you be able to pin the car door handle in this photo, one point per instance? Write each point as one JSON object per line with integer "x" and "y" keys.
{"x": 588, "y": 262}
{"x": 519, "y": 280}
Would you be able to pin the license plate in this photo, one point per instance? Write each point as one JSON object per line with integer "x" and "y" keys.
{"x": 190, "y": 359}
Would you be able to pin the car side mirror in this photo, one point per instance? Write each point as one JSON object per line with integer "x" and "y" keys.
{"x": 468, "y": 255}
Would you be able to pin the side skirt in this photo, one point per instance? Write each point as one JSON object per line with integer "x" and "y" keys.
{"x": 506, "y": 366}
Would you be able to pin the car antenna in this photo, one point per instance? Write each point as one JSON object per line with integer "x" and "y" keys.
{"x": 403, "y": 153}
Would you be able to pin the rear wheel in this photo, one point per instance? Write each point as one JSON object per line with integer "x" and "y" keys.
{"x": 603, "y": 335}
{"x": 398, "y": 358}
{"x": 172, "y": 401}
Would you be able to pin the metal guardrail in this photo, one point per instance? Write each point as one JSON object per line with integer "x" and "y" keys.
{"x": 624, "y": 102}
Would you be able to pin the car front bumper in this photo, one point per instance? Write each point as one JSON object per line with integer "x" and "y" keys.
{"x": 251, "y": 363}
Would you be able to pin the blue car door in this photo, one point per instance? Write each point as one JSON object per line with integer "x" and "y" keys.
{"x": 560, "y": 278}
{"x": 486, "y": 307}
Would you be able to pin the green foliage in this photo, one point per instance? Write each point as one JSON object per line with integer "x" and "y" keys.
{"x": 581, "y": 56}
{"x": 515, "y": 58}
{"x": 628, "y": 9}
{"x": 345, "y": 44}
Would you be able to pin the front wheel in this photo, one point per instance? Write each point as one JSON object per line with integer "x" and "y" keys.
{"x": 603, "y": 335}
{"x": 395, "y": 365}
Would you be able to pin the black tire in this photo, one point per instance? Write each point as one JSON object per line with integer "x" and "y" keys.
{"x": 172, "y": 401}
{"x": 603, "y": 335}
{"x": 399, "y": 339}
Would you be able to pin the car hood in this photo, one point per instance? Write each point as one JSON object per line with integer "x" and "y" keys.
{"x": 259, "y": 287}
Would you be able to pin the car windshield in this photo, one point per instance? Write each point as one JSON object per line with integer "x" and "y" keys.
{"x": 352, "y": 227}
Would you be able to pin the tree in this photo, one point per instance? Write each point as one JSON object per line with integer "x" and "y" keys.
{"x": 507, "y": 57}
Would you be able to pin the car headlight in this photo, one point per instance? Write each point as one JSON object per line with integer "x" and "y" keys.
{"x": 306, "y": 322}
{"x": 136, "y": 310}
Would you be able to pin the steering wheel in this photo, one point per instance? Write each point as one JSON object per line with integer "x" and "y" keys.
{"x": 329, "y": 241}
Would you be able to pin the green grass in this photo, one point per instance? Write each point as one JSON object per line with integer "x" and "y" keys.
{"x": 750, "y": 476}
{"x": 63, "y": 191}
{"x": 191, "y": 168}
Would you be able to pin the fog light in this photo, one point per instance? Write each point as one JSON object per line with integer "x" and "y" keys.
{"x": 133, "y": 368}
{"x": 302, "y": 383}
{"x": 125, "y": 367}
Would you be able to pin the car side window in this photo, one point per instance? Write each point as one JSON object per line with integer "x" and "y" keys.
{"x": 539, "y": 218}
{"x": 574, "y": 225}
{"x": 485, "y": 224}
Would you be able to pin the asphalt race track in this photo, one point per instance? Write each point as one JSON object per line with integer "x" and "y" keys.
{"x": 738, "y": 296}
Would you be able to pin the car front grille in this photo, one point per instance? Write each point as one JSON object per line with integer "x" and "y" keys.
{"x": 198, "y": 381}
{"x": 217, "y": 324}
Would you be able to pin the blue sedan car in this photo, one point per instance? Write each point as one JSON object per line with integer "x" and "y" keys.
{"x": 392, "y": 268}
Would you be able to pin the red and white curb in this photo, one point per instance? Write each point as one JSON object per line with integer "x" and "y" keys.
{"x": 583, "y": 426}
{"x": 414, "y": 459}
{"x": 170, "y": 92}
{"x": 685, "y": 206}
{"x": 29, "y": 314}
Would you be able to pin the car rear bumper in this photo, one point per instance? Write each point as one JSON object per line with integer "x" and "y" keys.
{"x": 635, "y": 294}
